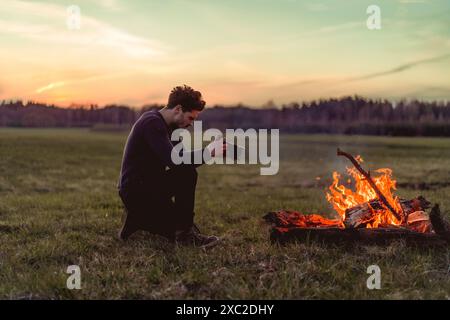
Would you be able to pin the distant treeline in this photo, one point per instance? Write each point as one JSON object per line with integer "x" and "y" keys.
{"x": 348, "y": 115}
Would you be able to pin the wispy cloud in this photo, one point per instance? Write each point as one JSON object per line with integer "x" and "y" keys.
{"x": 401, "y": 68}
{"x": 50, "y": 86}
{"x": 231, "y": 51}
{"x": 93, "y": 32}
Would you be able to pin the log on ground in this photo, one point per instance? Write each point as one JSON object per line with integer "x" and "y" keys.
{"x": 376, "y": 236}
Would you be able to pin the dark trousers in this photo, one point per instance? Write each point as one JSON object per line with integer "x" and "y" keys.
{"x": 164, "y": 206}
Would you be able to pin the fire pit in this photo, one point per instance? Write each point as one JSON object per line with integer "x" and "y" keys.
{"x": 371, "y": 214}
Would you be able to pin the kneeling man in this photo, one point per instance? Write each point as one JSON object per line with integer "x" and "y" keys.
{"x": 159, "y": 195}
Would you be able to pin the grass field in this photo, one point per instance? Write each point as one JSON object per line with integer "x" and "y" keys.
{"x": 59, "y": 206}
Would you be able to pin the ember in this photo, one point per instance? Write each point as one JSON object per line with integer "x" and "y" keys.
{"x": 372, "y": 205}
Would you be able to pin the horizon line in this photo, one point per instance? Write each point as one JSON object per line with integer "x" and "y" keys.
{"x": 270, "y": 103}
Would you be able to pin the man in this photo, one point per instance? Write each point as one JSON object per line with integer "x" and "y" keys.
{"x": 158, "y": 200}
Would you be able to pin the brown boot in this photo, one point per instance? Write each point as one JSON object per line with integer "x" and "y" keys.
{"x": 193, "y": 237}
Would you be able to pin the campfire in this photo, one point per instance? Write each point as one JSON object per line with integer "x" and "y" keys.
{"x": 367, "y": 211}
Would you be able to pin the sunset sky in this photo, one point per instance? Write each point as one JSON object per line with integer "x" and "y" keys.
{"x": 251, "y": 51}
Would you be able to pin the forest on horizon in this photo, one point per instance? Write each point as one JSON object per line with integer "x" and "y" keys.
{"x": 347, "y": 115}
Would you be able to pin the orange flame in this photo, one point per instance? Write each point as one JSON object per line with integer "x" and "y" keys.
{"x": 343, "y": 198}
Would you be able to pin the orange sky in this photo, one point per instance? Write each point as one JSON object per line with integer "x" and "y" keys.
{"x": 134, "y": 52}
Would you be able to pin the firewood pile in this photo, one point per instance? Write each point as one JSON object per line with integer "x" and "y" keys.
{"x": 370, "y": 215}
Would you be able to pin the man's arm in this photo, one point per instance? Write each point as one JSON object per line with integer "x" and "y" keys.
{"x": 157, "y": 138}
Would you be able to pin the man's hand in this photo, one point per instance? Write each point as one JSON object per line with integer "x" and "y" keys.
{"x": 222, "y": 151}
{"x": 217, "y": 148}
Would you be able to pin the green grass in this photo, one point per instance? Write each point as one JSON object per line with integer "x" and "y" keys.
{"x": 59, "y": 206}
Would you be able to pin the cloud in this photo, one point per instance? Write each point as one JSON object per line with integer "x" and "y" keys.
{"x": 50, "y": 86}
{"x": 93, "y": 32}
{"x": 400, "y": 68}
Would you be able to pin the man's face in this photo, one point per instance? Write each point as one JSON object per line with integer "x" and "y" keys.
{"x": 185, "y": 119}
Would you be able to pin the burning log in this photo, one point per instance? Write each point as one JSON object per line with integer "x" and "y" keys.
{"x": 363, "y": 214}
{"x": 419, "y": 221}
{"x": 370, "y": 181}
{"x": 293, "y": 219}
{"x": 286, "y": 229}
{"x": 416, "y": 204}
{"x": 368, "y": 215}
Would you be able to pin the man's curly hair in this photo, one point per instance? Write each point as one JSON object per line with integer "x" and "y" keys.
{"x": 188, "y": 98}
